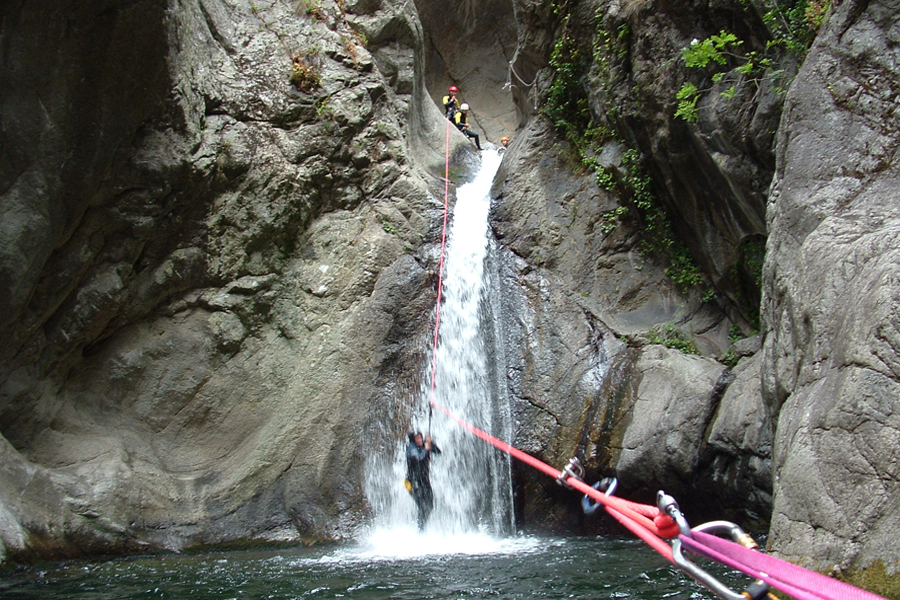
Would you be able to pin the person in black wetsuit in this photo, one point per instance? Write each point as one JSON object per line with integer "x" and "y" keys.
{"x": 418, "y": 467}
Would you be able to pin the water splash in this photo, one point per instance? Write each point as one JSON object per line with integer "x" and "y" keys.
{"x": 471, "y": 480}
{"x": 410, "y": 544}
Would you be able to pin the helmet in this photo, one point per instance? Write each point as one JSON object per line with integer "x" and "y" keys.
{"x": 454, "y": 89}
{"x": 504, "y": 139}
{"x": 464, "y": 106}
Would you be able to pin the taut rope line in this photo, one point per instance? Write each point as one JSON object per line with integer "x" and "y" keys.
{"x": 437, "y": 321}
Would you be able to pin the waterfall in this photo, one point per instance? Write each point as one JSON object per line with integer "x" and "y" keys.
{"x": 471, "y": 480}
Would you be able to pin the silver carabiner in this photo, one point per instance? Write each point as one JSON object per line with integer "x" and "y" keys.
{"x": 668, "y": 506}
{"x": 702, "y": 577}
{"x": 573, "y": 469}
{"x": 607, "y": 485}
{"x": 738, "y": 535}
{"x": 755, "y": 591}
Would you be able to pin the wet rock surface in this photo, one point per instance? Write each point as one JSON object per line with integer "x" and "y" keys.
{"x": 578, "y": 302}
{"x": 218, "y": 283}
{"x": 776, "y": 432}
{"x": 210, "y": 274}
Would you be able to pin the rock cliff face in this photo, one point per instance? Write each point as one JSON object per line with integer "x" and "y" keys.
{"x": 583, "y": 293}
{"x": 813, "y": 408}
{"x": 832, "y": 334}
{"x": 211, "y": 277}
{"x": 218, "y": 264}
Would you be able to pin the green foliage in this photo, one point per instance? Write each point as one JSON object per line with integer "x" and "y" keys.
{"x": 323, "y": 110}
{"x": 560, "y": 8}
{"x": 671, "y": 337}
{"x": 687, "y": 98}
{"x": 611, "y": 219}
{"x": 793, "y": 24}
{"x": 360, "y": 37}
{"x": 815, "y": 12}
{"x": 568, "y": 109}
{"x": 605, "y": 179}
{"x": 731, "y": 358}
{"x": 715, "y": 48}
{"x": 735, "y": 334}
{"x": 747, "y": 276}
{"x": 658, "y": 237}
{"x": 877, "y": 578}
{"x": 305, "y": 74}
{"x": 566, "y": 104}
{"x": 682, "y": 269}
{"x": 388, "y": 228}
{"x": 311, "y": 8}
{"x": 752, "y": 258}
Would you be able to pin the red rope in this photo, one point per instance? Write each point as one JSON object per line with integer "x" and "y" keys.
{"x": 437, "y": 322}
{"x": 643, "y": 520}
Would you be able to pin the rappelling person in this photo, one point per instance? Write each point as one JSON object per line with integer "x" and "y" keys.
{"x": 451, "y": 104}
{"x": 418, "y": 477}
{"x": 461, "y": 120}
{"x": 504, "y": 143}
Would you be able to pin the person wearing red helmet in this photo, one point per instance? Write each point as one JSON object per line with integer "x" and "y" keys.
{"x": 451, "y": 104}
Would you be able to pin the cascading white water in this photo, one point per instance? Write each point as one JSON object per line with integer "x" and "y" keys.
{"x": 471, "y": 480}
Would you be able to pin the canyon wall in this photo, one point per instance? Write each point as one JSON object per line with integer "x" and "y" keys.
{"x": 219, "y": 264}
{"x": 801, "y": 425}
{"x": 830, "y": 310}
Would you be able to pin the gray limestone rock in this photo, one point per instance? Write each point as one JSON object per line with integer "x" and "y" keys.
{"x": 209, "y": 274}
{"x": 577, "y": 300}
{"x": 470, "y": 44}
{"x": 675, "y": 399}
{"x": 738, "y": 448}
{"x": 831, "y": 299}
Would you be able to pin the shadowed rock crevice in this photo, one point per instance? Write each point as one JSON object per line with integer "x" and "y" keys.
{"x": 469, "y": 44}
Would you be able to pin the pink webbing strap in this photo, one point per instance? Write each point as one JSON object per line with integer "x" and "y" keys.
{"x": 800, "y": 583}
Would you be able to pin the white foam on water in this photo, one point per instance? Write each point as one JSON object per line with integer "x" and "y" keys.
{"x": 408, "y": 544}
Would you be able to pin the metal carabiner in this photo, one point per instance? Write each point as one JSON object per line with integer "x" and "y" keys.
{"x": 573, "y": 469}
{"x": 702, "y": 577}
{"x": 738, "y": 535}
{"x": 758, "y": 589}
{"x": 668, "y": 506}
{"x": 755, "y": 591}
{"x": 607, "y": 485}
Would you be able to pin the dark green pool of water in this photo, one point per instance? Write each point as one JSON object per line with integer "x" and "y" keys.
{"x": 402, "y": 567}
